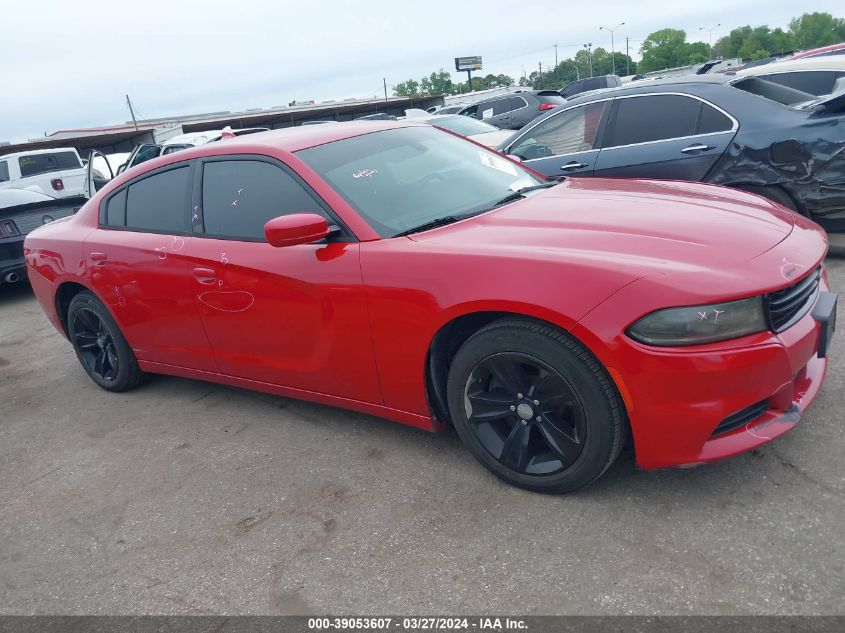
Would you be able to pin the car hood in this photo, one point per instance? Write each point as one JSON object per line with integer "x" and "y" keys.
{"x": 644, "y": 225}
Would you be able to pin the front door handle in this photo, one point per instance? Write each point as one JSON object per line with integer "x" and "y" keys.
{"x": 573, "y": 164}
{"x": 696, "y": 147}
{"x": 205, "y": 276}
{"x": 98, "y": 258}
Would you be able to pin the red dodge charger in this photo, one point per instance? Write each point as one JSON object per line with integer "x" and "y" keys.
{"x": 401, "y": 271}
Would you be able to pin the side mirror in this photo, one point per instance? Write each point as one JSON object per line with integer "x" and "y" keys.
{"x": 296, "y": 228}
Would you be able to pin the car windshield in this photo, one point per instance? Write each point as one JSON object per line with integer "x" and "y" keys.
{"x": 403, "y": 178}
{"x": 461, "y": 125}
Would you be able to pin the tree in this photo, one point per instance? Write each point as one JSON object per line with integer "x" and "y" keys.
{"x": 409, "y": 88}
{"x": 439, "y": 83}
{"x": 812, "y": 30}
{"x": 663, "y": 49}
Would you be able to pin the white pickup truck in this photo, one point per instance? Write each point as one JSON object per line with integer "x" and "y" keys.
{"x": 57, "y": 173}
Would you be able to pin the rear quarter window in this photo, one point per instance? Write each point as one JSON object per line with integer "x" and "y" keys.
{"x": 4, "y": 171}
{"x": 44, "y": 163}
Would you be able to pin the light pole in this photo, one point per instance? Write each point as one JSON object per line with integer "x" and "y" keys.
{"x": 612, "y": 51}
{"x": 710, "y": 32}
{"x": 589, "y": 47}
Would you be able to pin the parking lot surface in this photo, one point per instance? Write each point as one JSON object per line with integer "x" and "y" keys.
{"x": 186, "y": 497}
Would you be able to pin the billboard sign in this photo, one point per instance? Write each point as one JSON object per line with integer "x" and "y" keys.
{"x": 468, "y": 63}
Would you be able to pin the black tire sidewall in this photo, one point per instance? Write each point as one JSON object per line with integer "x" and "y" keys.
{"x": 128, "y": 372}
{"x": 602, "y": 422}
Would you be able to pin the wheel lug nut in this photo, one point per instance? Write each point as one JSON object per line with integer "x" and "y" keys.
{"x": 538, "y": 418}
{"x": 519, "y": 396}
{"x": 513, "y": 408}
{"x": 536, "y": 402}
{"x": 524, "y": 422}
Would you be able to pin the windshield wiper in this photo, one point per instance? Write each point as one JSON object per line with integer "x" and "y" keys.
{"x": 520, "y": 193}
{"x": 432, "y": 224}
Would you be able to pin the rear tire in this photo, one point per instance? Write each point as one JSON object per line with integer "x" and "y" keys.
{"x": 535, "y": 407}
{"x": 100, "y": 346}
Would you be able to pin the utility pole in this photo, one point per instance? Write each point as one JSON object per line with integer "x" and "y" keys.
{"x": 384, "y": 79}
{"x": 555, "y": 56}
{"x": 589, "y": 48}
{"x": 710, "y": 31}
{"x": 627, "y": 58}
{"x": 132, "y": 112}
{"x": 612, "y": 51}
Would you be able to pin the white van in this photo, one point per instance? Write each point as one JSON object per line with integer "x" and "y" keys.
{"x": 57, "y": 173}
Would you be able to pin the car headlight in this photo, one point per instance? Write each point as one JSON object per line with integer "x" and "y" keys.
{"x": 696, "y": 325}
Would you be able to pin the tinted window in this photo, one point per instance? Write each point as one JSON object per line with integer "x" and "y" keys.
{"x": 571, "y": 131}
{"x": 44, "y": 163}
{"x": 651, "y": 118}
{"x": 711, "y": 120}
{"x": 240, "y": 196}
{"x": 815, "y": 82}
{"x": 547, "y": 97}
{"x": 116, "y": 209}
{"x": 157, "y": 203}
{"x": 4, "y": 171}
{"x": 147, "y": 152}
{"x": 500, "y": 106}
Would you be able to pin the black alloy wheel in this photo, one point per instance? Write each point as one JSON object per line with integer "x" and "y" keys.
{"x": 99, "y": 344}
{"x": 95, "y": 343}
{"x": 534, "y": 406}
{"x": 525, "y": 414}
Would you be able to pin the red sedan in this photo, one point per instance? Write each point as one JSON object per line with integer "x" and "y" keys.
{"x": 398, "y": 270}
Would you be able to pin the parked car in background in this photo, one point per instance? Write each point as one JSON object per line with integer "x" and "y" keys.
{"x": 148, "y": 151}
{"x": 478, "y": 131}
{"x": 446, "y": 109}
{"x": 817, "y": 76}
{"x": 58, "y": 173}
{"x": 387, "y": 267}
{"x": 588, "y": 84}
{"x": 824, "y": 51}
{"x": 21, "y": 211}
{"x": 513, "y": 110}
{"x": 744, "y": 132}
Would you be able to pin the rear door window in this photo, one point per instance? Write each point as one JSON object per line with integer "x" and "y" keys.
{"x": 4, "y": 171}
{"x": 652, "y": 118}
{"x": 44, "y": 163}
{"x": 240, "y": 196}
{"x": 158, "y": 203}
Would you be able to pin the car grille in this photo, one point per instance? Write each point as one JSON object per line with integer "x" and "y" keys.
{"x": 786, "y": 306}
{"x": 741, "y": 418}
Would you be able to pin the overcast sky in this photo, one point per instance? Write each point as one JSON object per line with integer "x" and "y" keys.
{"x": 68, "y": 64}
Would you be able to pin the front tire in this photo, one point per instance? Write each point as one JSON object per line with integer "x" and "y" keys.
{"x": 100, "y": 346}
{"x": 535, "y": 407}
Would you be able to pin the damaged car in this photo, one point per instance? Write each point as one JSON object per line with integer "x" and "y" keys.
{"x": 743, "y": 132}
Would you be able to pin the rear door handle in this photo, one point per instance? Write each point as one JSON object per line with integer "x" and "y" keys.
{"x": 98, "y": 258}
{"x": 573, "y": 165}
{"x": 696, "y": 147}
{"x": 205, "y": 276}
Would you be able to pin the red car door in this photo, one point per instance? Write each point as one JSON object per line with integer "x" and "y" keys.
{"x": 292, "y": 316}
{"x": 137, "y": 267}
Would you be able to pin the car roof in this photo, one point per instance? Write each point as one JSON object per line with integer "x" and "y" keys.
{"x": 818, "y": 51}
{"x": 794, "y": 65}
{"x": 653, "y": 85}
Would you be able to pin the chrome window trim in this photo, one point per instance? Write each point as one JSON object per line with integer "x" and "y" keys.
{"x": 733, "y": 130}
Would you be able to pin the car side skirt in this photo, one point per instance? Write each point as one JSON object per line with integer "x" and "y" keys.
{"x": 396, "y": 415}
